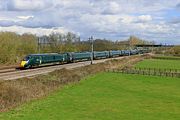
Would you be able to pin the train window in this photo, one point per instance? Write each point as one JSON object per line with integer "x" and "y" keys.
{"x": 26, "y": 58}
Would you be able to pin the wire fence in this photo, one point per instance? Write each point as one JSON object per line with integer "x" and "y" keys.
{"x": 150, "y": 72}
{"x": 166, "y": 70}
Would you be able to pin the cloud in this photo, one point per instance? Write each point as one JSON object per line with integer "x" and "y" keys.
{"x": 25, "y": 5}
{"x": 115, "y": 19}
{"x": 178, "y": 5}
{"x": 145, "y": 18}
{"x": 111, "y": 8}
{"x": 37, "y": 31}
{"x": 39, "y": 21}
{"x": 175, "y": 21}
{"x": 6, "y": 23}
{"x": 25, "y": 17}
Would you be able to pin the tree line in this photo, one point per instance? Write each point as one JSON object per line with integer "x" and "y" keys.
{"x": 13, "y": 47}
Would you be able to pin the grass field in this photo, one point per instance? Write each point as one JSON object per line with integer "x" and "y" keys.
{"x": 157, "y": 63}
{"x": 107, "y": 96}
{"x": 167, "y": 57}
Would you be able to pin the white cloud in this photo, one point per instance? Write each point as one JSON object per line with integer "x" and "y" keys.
{"x": 27, "y": 5}
{"x": 37, "y": 31}
{"x": 24, "y": 17}
{"x": 111, "y": 8}
{"x": 145, "y": 18}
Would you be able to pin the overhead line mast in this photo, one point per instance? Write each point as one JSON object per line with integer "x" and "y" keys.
{"x": 92, "y": 48}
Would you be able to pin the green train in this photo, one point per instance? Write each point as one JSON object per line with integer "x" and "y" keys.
{"x": 33, "y": 60}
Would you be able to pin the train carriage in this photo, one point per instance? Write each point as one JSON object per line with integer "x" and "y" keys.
{"x": 100, "y": 55}
{"x": 126, "y": 52}
{"x": 79, "y": 56}
{"x": 133, "y": 52}
{"x": 115, "y": 53}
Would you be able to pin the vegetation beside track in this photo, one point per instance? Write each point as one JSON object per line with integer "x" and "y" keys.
{"x": 107, "y": 96}
{"x": 13, "y": 47}
{"x": 173, "y": 51}
{"x": 16, "y": 92}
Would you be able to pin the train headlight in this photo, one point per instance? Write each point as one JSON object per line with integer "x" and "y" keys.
{"x": 23, "y": 63}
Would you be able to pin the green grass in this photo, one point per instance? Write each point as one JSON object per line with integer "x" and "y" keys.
{"x": 162, "y": 64}
{"x": 167, "y": 57}
{"x": 107, "y": 96}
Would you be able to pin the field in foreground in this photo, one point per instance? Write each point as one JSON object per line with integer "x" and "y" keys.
{"x": 107, "y": 96}
{"x": 158, "y": 63}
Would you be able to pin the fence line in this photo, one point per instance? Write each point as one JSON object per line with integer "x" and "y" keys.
{"x": 158, "y": 69}
{"x": 150, "y": 72}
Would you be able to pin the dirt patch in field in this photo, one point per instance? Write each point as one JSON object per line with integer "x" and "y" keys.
{"x": 16, "y": 92}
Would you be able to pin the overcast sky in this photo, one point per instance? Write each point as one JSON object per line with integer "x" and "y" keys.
{"x": 157, "y": 20}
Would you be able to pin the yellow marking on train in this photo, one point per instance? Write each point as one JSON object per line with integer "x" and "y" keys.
{"x": 23, "y": 63}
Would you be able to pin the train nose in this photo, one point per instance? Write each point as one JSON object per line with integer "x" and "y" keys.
{"x": 23, "y": 63}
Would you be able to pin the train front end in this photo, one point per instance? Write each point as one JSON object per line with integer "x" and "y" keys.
{"x": 25, "y": 62}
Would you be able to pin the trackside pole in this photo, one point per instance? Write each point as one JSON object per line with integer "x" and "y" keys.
{"x": 92, "y": 49}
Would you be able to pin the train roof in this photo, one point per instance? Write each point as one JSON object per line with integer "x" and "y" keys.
{"x": 43, "y": 54}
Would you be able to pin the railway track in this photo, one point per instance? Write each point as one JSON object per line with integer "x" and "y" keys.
{"x": 13, "y": 73}
{"x": 7, "y": 70}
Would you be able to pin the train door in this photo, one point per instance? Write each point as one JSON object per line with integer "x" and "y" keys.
{"x": 38, "y": 60}
{"x": 69, "y": 57}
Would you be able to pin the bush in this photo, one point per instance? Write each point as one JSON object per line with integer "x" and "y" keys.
{"x": 14, "y": 47}
{"x": 174, "y": 51}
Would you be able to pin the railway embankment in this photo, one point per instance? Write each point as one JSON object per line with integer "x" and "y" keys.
{"x": 16, "y": 92}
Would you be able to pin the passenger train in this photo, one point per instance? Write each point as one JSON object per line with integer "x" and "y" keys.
{"x": 33, "y": 60}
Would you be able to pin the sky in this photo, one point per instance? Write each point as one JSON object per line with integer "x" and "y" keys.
{"x": 153, "y": 20}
